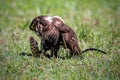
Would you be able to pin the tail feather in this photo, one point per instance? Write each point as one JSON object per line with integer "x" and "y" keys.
{"x": 93, "y": 49}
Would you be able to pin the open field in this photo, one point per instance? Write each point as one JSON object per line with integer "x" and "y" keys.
{"x": 96, "y": 23}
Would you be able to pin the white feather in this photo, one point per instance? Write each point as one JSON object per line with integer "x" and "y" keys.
{"x": 59, "y": 18}
{"x": 48, "y": 19}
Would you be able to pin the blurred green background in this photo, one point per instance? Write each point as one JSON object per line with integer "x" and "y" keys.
{"x": 96, "y": 23}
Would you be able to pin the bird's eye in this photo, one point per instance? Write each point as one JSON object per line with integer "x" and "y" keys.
{"x": 34, "y": 22}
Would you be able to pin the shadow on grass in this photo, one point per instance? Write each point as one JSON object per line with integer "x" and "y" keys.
{"x": 46, "y": 55}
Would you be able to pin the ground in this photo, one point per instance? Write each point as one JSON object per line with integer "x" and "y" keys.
{"x": 96, "y": 23}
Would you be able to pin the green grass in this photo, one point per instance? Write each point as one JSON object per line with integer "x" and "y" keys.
{"x": 96, "y": 23}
